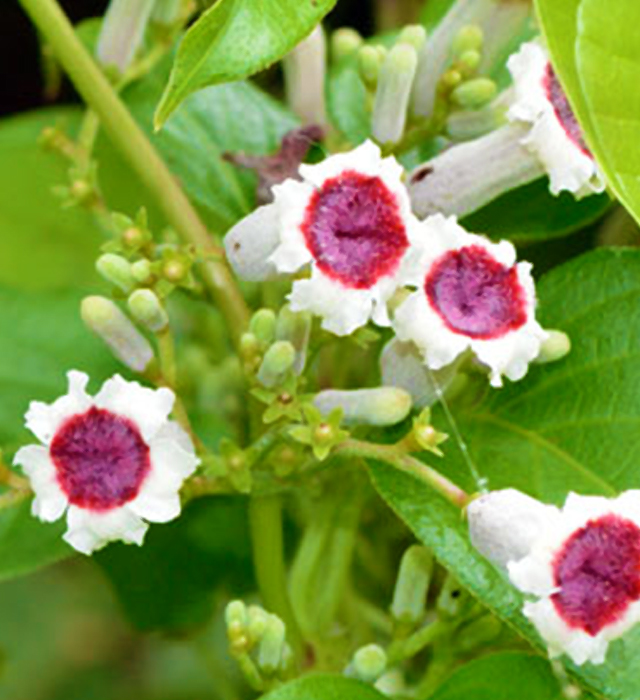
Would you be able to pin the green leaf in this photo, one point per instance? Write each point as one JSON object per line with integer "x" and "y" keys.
{"x": 347, "y": 101}
{"x": 571, "y": 425}
{"x": 531, "y": 214}
{"x": 434, "y": 11}
{"x": 608, "y": 62}
{"x": 324, "y": 687}
{"x": 495, "y": 677}
{"x": 235, "y": 39}
{"x": 168, "y": 583}
{"x": 220, "y": 119}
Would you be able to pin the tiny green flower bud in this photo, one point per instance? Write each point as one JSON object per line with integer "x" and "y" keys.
{"x": 393, "y": 92}
{"x": 147, "y": 310}
{"x": 381, "y": 406}
{"x": 174, "y": 270}
{"x": 470, "y": 60}
{"x": 296, "y": 328}
{"x": 263, "y": 325}
{"x": 369, "y": 63}
{"x": 236, "y": 619}
{"x": 410, "y": 594}
{"x": 344, "y": 42}
{"x": 481, "y": 631}
{"x": 451, "y": 78}
{"x": 451, "y": 598}
{"x": 271, "y": 645}
{"x": 134, "y": 237}
{"x": 106, "y": 320}
{"x": 469, "y": 38}
{"x": 369, "y": 663}
{"x": 116, "y": 270}
{"x": 555, "y": 347}
{"x": 415, "y": 35}
{"x": 142, "y": 271}
{"x": 249, "y": 346}
{"x": 277, "y": 361}
{"x": 475, "y": 93}
{"x": 257, "y": 623}
{"x": 81, "y": 191}
{"x": 122, "y": 32}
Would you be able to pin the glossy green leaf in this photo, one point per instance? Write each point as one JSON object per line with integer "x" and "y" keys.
{"x": 495, "y": 677}
{"x": 608, "y": 62}
{"x": 571, "y": 425}
{"x": 235, "y": 39}
{"x": 324, "y": 687}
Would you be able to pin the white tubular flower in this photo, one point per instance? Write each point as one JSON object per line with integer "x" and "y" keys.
{"x": 581, "y": 562}
{"x": 555, "y": 135}
{"x": 350, "y": 220}
{"x": 112, "y": 462}
{"x": 470, "y": 294}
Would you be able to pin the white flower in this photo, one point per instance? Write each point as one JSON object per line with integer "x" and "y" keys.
{"x": 470, "y": 294}
{"x": 555, "y": 134}
{"x": 581, "y": 563}
{"x": 350, "y": 221}
{"x": 112, "y": 462}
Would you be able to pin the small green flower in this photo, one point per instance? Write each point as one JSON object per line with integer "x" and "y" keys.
{"x": 282, "y": 401}
{"x": 425, "y": 435}
{"x": 232, "y": 464}
{"x": 321, "y": 433}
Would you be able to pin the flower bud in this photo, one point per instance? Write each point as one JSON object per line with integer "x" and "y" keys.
{"x": 381, "y": 406}
{"x": 410, "y": 594}
{"x": 451, "y": 598}
{"x": 134, "y": 237}
{"x": 249, "y": 347}
{"x": 296, "y": 328}
{"x": 257, "y": 623}
{"x": 106, "y": 320}
{"x": 277, "y": 361}
{"x": 147, "y": 310}
{"x": 271, "y": 645}
{"x": 344, "y": 42}
{"x": 369, "y": 63}
{"x": 369, "y": 663}
{"x": 122, "y": 32}
{"x": 475, "y": 93}
{"x": 393, "y": 92}
{"x": 469, "y": 38}
{"x": 142, "y": 271}
{"x": 116, "y": 270}
{"x": 263, "y": 325}
{"x": 469, "y": 61}
{"x": 555, "y": 347}
{"x": 415, "y": 35}
{"x": 236, "y": 618}
{"x": 304, "y": 73}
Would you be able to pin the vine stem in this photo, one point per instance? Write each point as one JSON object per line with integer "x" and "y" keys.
{"x": 139, "y": 153}
{"x": 400, "y": 460}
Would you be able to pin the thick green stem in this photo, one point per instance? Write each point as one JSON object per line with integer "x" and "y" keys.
{"x": 265, "y": 517}
{"x": 138, "y": 151}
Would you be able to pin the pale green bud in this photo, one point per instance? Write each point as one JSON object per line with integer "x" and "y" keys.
{"x": 277, "y": 361}
{"x": 470, "y": 60}
{"x": 451, "y": 598}
{"x": 369, "y": 63}
{"x": 555, "y": 347}
{"x": 271, "y": 645}
{"x": 147, "y": 310}
{"x": 296, "y": 328}
{"x": 392, "y": 95}
{"x": 257, "y": 623}
{"x": 344, "y": 42}
{"x": 469, "y": 38}
{"x": 415, "y": 35}
{"x": 369, "y": 663}
{"x": 116, "y": 270}
{"x": 122, "y": 32}
{"x": 384, "y": 405}
{"x": 236, "y": 619}
{"x": 451, "y": 78}
{"x": 249, "y": 346}
{"x": 106, "y": 320}
{"x": 410, "y": 594}
{"x": 475, "y": 93}
{"x": 142, "y": 271}
{"x": 263, "y": 325}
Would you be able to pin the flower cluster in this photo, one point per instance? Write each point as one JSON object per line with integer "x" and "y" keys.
{"x": 349, "y": 223}
{"x": 580, "y": 564}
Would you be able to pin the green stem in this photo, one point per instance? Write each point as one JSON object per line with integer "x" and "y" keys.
{"x": 265, "y": 518}
{"x": 139, "y": 153}
{"x": 406, "y": 463}
{"x": 407, "y": 648}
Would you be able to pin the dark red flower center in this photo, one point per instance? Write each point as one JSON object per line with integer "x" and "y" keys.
{"x": 476, "y": 295}
{"x": 598, "y": 573}
{"x": 354, "y": 229}
{"x": 563, "y": 110}
{"x": 100, "y": 458}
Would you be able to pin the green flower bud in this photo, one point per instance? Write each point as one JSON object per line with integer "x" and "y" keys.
{"x": 271, "y": 645}
{"x": 469, "y": 38}
{"x": 369, "y": 663}
{"x": 263, "y": 326}
{"x": 451, "y": 78}
{"x": 410, "y": 594}
{"x": 236, "y": 618}
{"x": 369, "y": 63}
{"x": 344, "y": 42}
{"x": 392, "y": 95}
{"x": 475, "y": 93}
{"x": 382, "y": 406}
{"x": 257, "y": 623}
{"x": 134, "y": 237}
{"x": 296, "y": 328}
{"x": 147, "y": 310}
{"x": 81, "y": 191}
{"x": 116, "y": 270}
{"x": 470, "y": 60}
{"x": 142, "y": 271}
{"x": 415, "y": 35}
{"x": 106, "y": 320}
{"x": 555, "y": 347}
{"x": 277, "y": 361}
{"x": 451, "y": 598}
{"x": 249, "y": 346}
